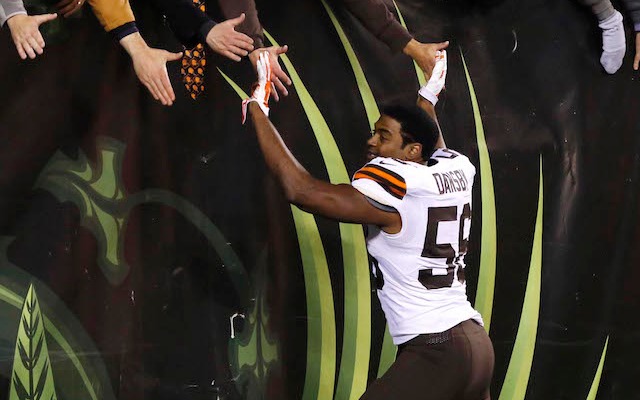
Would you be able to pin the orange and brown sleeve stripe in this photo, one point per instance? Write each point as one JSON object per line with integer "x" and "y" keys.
{"x": 393, "y": 183}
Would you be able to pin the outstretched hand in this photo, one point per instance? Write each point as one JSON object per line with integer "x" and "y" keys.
{"x": 151, "y": 69}
{"x": 435, "y": 84}
{"x": 26, "y": 35}
{"x": 424, "y": 54}
{"x": 262, "y": 88}
{"x": 225, "y": 40}
{"x": 278, "y": 77}
{"x": 150, "y": 66}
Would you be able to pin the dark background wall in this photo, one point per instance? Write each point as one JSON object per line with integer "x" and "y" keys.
{"x": 196, "y": 231}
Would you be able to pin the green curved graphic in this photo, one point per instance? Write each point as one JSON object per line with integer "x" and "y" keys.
{"x": 105, "y": 206}
{"x": 96, "y": 189}
{"x": 321, "y": 325}
{"x": 31, "y": 378}
{"x": 369, "y": 102}
{"x": 517, "y": 378}
{"x": 321, "y": 343}
{"x": 354, "y": 364}
{"x": 388, "y": 350}
{"x": 97, "y": 192}
{"x": 8, "y": 296}
{"x": 253, "y": 352}
{"x": 488, "y": 236}
{"x": 596, "y": 379}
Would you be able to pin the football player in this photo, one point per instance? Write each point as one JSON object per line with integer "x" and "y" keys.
{"x": 415, "y": 196}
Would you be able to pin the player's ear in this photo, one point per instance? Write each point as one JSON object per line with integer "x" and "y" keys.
{"x": 414, "y": 151}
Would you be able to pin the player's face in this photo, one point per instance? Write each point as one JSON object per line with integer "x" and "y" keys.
{"x": 386, "y": 140}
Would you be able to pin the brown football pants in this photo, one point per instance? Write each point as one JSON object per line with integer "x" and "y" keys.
{"x": 454, "y": 365}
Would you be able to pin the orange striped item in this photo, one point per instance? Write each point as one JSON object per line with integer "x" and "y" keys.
{"x": 193, "y": 64}
{"x": 391, "y": 182}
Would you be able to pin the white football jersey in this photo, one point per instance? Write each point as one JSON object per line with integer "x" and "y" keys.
{"x": 419, "y": 271}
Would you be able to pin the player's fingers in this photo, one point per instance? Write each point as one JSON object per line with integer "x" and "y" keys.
{"x": 266, "y": 65}
{"x": 274, "y": 92}
{"x": 280, "y": 74}
{"x": 636, "y": 61}
{"x": 279, "y": 86}
{"x": 444, "y": 57}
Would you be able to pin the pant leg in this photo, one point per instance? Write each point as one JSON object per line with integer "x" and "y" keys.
{"x": 602, "y": 9}
{"x": 420, "y": 372}
{"x": 481, "y": 362}
{"x": 458, "y": 369}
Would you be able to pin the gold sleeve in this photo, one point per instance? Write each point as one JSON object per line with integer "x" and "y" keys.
{"x": 112, "y": 13}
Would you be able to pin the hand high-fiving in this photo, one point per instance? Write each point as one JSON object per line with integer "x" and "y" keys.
{"x": 424, "y": 54}
{"x": 278, "y": 77}
{"x": 151, "y": 67}
{"x": 262, "y": 88}
{"x": 225, "y": 40}
{"x": 26, "y": 35}
{"x": 434, "y": 86}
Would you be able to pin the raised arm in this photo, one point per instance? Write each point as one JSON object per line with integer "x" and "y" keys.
{"x": 428, "y": 94}
{"x": 251, "y": 25}
{"x": 150, "y": 66}
{"x": 340, "y": 202}
{"x": 377, "y": 19}
{"x": 191, "y": 26}
{"x": 116, "y": 17}
{"x": 253, "y": 28}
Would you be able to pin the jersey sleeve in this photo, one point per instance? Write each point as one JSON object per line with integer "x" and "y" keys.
{"x": 115, "y": 16}
{"x": 380, "y": 182}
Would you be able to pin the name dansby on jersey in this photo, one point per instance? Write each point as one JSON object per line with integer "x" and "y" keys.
{"x": 419, "y": 271}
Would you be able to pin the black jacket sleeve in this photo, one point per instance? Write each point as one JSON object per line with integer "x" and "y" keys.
{"x": 377, "y": 19}
{"x": 185, "y": 20}
{"x": 191, "y": 25}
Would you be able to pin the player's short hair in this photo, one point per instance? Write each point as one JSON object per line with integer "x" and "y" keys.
{"x": 417, "y": 125}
